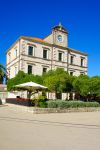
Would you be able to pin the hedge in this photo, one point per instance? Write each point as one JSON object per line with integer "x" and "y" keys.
{"x": 70, "y": 104}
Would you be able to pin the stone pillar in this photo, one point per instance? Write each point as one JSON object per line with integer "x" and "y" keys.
{"x": 52, "y": 96}
{"x": 3, "y": 100}
{"x": 68, "y": 96}
{"x": 64, "y": 96}
{"x": 73, "y": 96}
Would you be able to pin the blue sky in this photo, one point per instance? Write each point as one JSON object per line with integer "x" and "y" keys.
{"x": 36, "y": 18}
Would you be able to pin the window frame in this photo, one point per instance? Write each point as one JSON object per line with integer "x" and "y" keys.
{"x": 46, "y": 50}
{"x": 82, "y": 61}
{"x": 82, "y": 73}
{"x": 31, "y": 54}
{"x": 71, "y": 73}
{"x": 9, "y": 57}
{"x": 44, "y": 71}
{"x": 16, "y": 51}
{"x": 29, "y": 65}
{"x": 71, "y": 59}
{"x": 15, "y": 70}
{"x": 61, "y": 59}
{"x": 8, "y": 72}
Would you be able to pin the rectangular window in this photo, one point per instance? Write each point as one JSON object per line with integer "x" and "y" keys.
{"x": 9, "y": 57}
{"x": 82, "y": 62}
{"x": 29, "y": 69}
{"x": 15, "y": 71}
{"x": 45, "y": 56}
{"x": 44, "y": 70}
{"x": 59, "y": 56}
{"x": 71, "y": 73}
{"x": 30, "y": 50}
{"x": 71, "y": 59}
{"x": 9, "y": 72}
{"x": 16, "y": 53}
{"x": 82, "y": 73}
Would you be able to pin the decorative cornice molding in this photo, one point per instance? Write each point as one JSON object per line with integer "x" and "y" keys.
{"x": 48, "y": 44}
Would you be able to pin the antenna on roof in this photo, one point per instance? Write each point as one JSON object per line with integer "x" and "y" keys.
{"x": 60, "y": 24}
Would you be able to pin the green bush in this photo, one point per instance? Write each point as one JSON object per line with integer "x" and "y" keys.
{"x": 63, "y": 104}
{"x": 92, "y": 104}
{"x": 70, "y": 104}
{"x": 52, "y": 104}
{"x": 39, "y": 101}
{"x": 42, "y": 101}
{"x": 42, "y": 104}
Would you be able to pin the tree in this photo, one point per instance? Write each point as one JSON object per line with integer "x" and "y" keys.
{"x": 81, "y": 85}
{"x": 52, "y": 79}
{"x": 2, "y": 73}
{"x": 22, "y": 77}
{"x": 58, "y": 81}
{"x": 18, "y": 79}
{"x": 95, "y": 86}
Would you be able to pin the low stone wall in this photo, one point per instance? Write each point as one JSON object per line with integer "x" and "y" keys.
{"x": 36, "y": 110}
{"x": 57, "y": 110}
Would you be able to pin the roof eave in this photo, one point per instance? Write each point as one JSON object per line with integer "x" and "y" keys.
{"x": 13, "y": 45}
{"x": 48, "y": 44}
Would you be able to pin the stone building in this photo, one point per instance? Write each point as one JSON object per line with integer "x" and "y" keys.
{"x": 36, "y": 56}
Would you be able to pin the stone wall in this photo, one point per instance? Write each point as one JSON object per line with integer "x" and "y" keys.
{"x": 36, "y": 110}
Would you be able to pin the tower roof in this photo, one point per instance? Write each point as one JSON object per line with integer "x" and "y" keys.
{"x": 60, "y": 28}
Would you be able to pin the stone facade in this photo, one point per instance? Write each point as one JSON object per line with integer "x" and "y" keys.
{"x": 49, "y": 53}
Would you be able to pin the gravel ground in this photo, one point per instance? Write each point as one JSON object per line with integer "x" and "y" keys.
{"x": 65, "y": 131}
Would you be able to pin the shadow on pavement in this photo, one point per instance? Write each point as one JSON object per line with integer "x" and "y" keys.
{"x": 65, "y": 124}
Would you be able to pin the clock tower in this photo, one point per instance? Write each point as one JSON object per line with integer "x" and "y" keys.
{"x": 60, "y": 35}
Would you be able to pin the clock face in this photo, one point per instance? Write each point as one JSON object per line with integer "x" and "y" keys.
{"x": 60, "y": 39}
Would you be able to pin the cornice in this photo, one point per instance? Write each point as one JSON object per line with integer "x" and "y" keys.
{"x": 48, "y": 44}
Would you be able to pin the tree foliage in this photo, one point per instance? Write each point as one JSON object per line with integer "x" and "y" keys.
{"x": 2, "y": 73}
{"x": 22, "y": 77}
{"x": 59, "y": 81}
{"x": 95, "y": 86}
{"x": 81, "y": 85}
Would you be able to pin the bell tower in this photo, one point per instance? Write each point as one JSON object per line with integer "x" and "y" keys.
{"x": 60, "y": 35}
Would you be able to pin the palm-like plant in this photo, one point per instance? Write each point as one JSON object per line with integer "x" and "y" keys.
{"x": 2, "y": 73}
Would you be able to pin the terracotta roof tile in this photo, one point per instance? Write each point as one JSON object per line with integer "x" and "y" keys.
{"x": 37, "y": 39}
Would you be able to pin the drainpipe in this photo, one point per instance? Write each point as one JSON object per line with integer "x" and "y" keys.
{"x": 68, "y": 60}
{"x": 52, "y": 52}
{"x": 52, "y": 58}
{"x": 19, "y": 56}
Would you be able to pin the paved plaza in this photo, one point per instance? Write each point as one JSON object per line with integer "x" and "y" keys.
{"x": 20, "y": 130}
